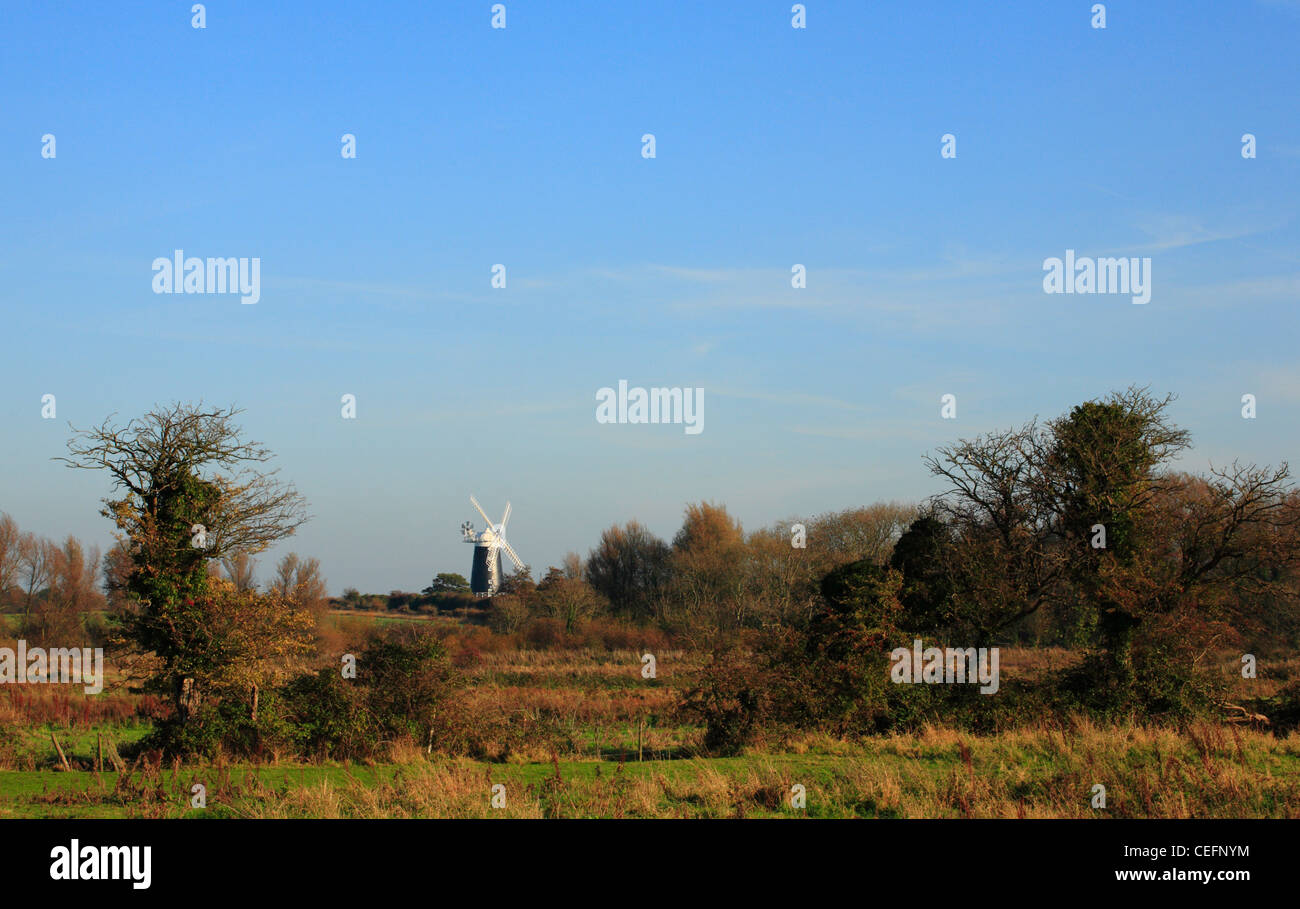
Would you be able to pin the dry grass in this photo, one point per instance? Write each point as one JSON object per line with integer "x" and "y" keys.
{"x": 1045, "y": 772}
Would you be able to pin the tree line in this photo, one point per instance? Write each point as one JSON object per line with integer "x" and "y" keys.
{"x": 1076, "y": 530}
{"x": 53, "y": 588}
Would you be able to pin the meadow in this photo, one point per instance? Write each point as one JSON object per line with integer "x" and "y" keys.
{"x": 580, "y": 733}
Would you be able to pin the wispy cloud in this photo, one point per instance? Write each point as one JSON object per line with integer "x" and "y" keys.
{"x": 1173, "y": 231}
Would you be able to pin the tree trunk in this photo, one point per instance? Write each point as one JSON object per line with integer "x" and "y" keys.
{"x": 186, "y": 698}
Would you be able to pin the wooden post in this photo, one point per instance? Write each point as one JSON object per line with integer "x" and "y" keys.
{"x": 99, "y": 749}
{"x": 62, "y": 758}
{"x": 640, "y": 729}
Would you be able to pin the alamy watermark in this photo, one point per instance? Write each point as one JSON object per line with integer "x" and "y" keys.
{"x": 950, "y": 666}
{"x": 61, "y": 665}
{"x": 655, "y": 405}
{"x": 76, "y": 862}
{"x": 1085, "y": 275}
{"x": 192, "y": 275}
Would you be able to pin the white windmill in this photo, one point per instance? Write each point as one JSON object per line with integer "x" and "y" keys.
{"x": 485, "y": 577}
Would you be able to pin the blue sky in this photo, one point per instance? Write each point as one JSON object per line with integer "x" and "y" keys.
{"x": 521, "y": 146}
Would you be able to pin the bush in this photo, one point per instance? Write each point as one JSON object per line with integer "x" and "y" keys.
{"x": 327, "y": 716}
{"x": 399, "y": 691}
{"x": 1283, "y": 709}
{"x": 405, "y": 685}
{"x": 399, "y": 695}
{"x": 544, "y": 633}
{"x": 735, "y": 700}
{"x": 224, "y": 727}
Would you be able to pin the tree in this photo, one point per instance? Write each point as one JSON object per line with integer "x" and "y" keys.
{"x": 251, "y": 642}
{"x": 299, "y": 581}
{"x": 36, "y": 561}
{"x": 1101, "y": 469}
{"x": 571, "y": 600}
{"x": 629, "y": 567}
{"x": 10, "y": 555}
{"x": 240, "y": 568}
{"x": 58, "y": 617}
{"x": 188, "y": 490}
{"x": 708, "y": 571}
{"x": 1082, "y": 514}
{"x": 858, "y": 533}
{"x": 1007, "y": 559}
{"x": 781, "y": 579}
{"x": 573, "y": 566}
{"x": 831, "y": 673}
{"x": 508, "y": 613}
{"x": 116, "y": 571}
{"x": 921, "y": 557}
{"x": 447, "y": 582}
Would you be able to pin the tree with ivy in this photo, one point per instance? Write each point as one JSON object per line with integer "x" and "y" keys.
{"x": 187, "y": 489}
{"x": 1148, "y": 567}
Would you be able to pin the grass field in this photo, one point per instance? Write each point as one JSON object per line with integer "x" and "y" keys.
{"x": 1205, "y": 771}
{"x": 582, "y": 734}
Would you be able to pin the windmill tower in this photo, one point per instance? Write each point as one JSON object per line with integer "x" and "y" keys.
{"x": 485, "y": 577}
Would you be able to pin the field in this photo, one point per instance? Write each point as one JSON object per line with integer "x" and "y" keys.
{"x": 582, "y": 734}
{"x": 1205, "y": 772}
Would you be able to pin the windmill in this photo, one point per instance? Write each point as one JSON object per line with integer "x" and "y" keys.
{"x": 485, "y": 577}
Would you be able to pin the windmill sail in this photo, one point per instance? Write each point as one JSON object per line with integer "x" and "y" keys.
{"x": 486, "y": 572}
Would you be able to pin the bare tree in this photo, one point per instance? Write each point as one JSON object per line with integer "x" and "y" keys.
{"x": 286, "y": 571}
{"x": 59, "y": 616}
{"x": 116, "y": 571}
{"x": 11, "y": 540}
{"x": 37, "y": 563}
{"x": 858, "y": 533}
{"x": 299, "y": 581}
{"x": 569, "y": 599}
{"x": 573, "y": 567}
{"x": 157, "y": 459}
{"x": 630, "y": 568}
{"x": 240, "y": 568}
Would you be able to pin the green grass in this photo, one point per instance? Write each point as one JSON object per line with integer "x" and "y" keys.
{"x": 37, "y": 793}
{"x": 32, "y": 743}
{"x": 1030, "y": 773}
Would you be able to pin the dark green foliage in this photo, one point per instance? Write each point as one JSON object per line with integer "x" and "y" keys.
{"x": 226, "y": 727}
{"x": 400, "y": 693}
{"x": 630, "y": 568}
{"x": 405, "y": 684}
{"x": 1282, "y": 709}
{"x": 327, "y": 716}
{"x": 927, "y": 592}
{"x": 831, "y": 675}
{"x": 734, "y": 700}
{"x": 447, "y": 582}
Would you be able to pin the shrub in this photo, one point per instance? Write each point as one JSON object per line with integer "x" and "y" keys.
{"x": 735, "y": 699}
{"x": 327, "y": 717}
{"x": 405, "y": 685}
